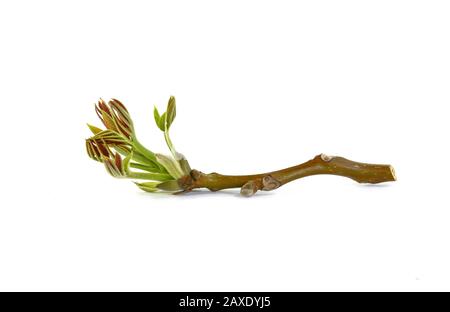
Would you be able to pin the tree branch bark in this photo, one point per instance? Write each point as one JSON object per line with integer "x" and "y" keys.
{"x": 321, "y": 164}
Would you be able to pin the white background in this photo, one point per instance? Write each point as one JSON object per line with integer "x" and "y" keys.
{"x": 260, "y": 85}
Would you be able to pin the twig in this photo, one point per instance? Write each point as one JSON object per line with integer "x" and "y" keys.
{"x": 118, "y": 148}
{"x": 321, "y": 164}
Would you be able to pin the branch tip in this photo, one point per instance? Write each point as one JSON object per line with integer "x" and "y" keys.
{"x": 393, "y": 173}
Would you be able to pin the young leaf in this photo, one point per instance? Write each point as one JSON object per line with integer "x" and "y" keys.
{"x": 169, "y": 186}
{"x": 126, "y": 163}
{"x": 115, "y": 117}
{"x": 184, "y": 165}
{"x": 113, "y": 165}
{"x": 162, "y": 122}
{"x": 148, "y": 186}
{"x": 171, "y": 165}
{"x": 157, "y": 117}
{"x": 94, "y": 129}
{"x": 171, "y": 112}
{"x": 150, "y": 168}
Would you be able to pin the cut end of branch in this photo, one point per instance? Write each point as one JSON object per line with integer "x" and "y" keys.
{"x": 394, "y": 177}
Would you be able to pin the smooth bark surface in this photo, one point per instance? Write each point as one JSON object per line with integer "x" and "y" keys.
{"x": 321, "y": 164}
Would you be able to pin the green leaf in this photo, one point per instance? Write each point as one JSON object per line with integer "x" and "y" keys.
{"x": 162, "y": 122}
{"x": 169, "y": 186}
{"x": 92, "y": 151}
{"x": 171, "y": 165}
{"x": 150, "y": 168}
{"x": 171, "y": 112}
{"x": 157, "y": 117}
{"x": 161, "y": 177}
{"x": 110, "y": 137}
{"x": 126, "y": 163}
{"x": 108, "y": 121}
{"x": 94, "y": 129}
{"x": 184, "y": 165}
{"x": 148, "y": 186}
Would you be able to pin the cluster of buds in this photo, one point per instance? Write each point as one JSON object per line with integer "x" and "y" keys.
{"x": 119, "y": 150}
{"x": 117, "y": 167}
{"x": 115, "y": 117}
{"x": 102, "y": 143}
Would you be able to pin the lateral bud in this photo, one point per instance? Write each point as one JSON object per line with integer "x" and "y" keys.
{"x": 326, "y": 158}
{"x": 270, "y": 183}
{"x": 249, "y": 189}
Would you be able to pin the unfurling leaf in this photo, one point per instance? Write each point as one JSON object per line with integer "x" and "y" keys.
{"x": 115, "y": 117}
{"x": 169, "y": 186}
{"x": 184, "y": 165}
{"x": 149, "y": 168}
{"x": 102, "y": 143}
{"x": 114, "y": 165}
{"x": 94, "y": 129}
{"x": 157, "y": 117}
{"x": 171, "y": 165}
{"x": 126, "y": 163}
{"x": 162, "y": 122}
{"x": 171, "y": 112}
{"x": 148, "y": 186}
{"x": 96, "y": 149}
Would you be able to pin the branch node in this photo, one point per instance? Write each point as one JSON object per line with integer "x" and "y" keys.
{"x": 195, "y": 174}
{"x": 393, "y": 173}
{"x": 270, "y": 183}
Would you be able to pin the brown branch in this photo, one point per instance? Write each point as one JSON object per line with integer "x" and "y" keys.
{"x": 321, "y": 164}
